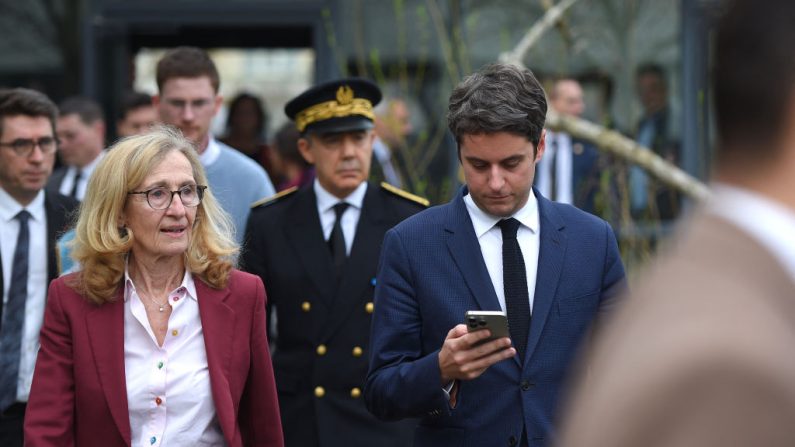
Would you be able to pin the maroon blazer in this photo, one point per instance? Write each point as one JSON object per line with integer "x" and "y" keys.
{"x": 79, "y": 395}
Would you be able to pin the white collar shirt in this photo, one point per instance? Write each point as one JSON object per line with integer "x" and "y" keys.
{"x": 770, "y": 223}
{"x": 37, "y": 278}
{"x": 490, "y": 239}
{"x": 350, "y": 218}
{"x": 211, "y": 153}
{"x": 169, "y": 396}
{"x": 558, "y": 145}
{"x": 85, "y": 174}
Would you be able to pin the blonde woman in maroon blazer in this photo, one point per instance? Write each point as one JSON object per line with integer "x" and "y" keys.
{"x": 157, "y": 340}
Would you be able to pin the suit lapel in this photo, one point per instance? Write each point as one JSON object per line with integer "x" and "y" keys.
{"x": 105, "y": 326}
{"x": 306, "y": 237}
{"x": 551, "y": 253}
{"x": 365, "y": 250}
{"x": 465, "y": 251}
{"x": 218, "y": 326}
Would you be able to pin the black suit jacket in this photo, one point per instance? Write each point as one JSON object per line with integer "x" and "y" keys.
{"x": 54, "y": 183}
{"x": 323, "y": 329}
{"x": 60, "y": 211}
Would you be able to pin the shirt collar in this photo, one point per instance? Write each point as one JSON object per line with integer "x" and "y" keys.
{"x": 86, "y": 170}
{"x": 381, "y": 150}
{"x": 211, "y": 154}
{"x": 558, "y": 137}
{"x": 768, "y": 221}
{"x": 326, "y": 200}
{"x": 187, "y": 284}
{"x": 483, "y": 222}
{"x": 9, "y": 207}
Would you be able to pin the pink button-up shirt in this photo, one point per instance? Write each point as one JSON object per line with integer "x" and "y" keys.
{"x": 168, "y": 387}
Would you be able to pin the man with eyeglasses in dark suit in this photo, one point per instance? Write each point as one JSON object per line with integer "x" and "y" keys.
{"x": 30, "y": 221}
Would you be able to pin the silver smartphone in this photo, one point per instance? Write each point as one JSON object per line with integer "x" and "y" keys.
{"x": 495, "y": 321}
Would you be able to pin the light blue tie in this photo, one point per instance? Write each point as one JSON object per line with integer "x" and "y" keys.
{"x": 14, "y": 316}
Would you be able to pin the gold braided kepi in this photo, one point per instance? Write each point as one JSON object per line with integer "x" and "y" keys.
{"x": 336, "y": 106}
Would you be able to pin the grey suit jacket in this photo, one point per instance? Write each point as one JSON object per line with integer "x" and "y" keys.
{"x": 702, "y": 354}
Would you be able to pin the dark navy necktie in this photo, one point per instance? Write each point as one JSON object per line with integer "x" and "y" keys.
{"x": 74, "y": 186}
{"x": 553, "y": 170}
{"x": 14, "y": 316}
{"x": 514, "y": 277}
{"x": 337, "y": 240}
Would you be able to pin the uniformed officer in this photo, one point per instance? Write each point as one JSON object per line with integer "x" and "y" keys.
{"x": 317, "y": 249}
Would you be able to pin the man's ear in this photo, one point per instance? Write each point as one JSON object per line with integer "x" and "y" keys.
{"x": 305, "y": 148}
{"x": 219, "y": 100}
{"x": 541, "y": 146}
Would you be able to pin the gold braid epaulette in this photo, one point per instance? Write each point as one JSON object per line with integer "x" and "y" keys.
{"x": 405, "y": 194}
{"x": 274, "y": 197}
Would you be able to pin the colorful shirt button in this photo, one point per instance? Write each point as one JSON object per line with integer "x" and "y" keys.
{"x": 175, "y": 332}
{"x": 158, "y": 400}
{"x": 159, "y": 365}
{"x": 152, "y": 440}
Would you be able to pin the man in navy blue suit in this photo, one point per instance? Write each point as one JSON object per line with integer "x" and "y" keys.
{"x": 569, "y": 173}
{"x": 498, "y": 245}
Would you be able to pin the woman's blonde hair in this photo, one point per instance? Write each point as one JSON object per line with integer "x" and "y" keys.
{"x": 101, "y": 246}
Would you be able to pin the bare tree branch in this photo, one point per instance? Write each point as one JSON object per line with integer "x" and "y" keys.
{"x": 535, "y": 32}
{"x": 561, "y": 24}
{"x": 613, "y": 142}
{"x": 444, "y": 41}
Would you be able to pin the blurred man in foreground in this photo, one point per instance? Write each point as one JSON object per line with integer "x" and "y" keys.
{"x": 702, "y": 353}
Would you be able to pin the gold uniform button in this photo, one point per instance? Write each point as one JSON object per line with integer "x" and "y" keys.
{"x": 175, "y": 332}
{"x": 321, "y": 350}
{"x": 357, "y": 351}
{"x": 306, "y": 306}
{"x": 355, "y": 393}
{"x": 320, "y": 391}
{"x": 369, "y": 307}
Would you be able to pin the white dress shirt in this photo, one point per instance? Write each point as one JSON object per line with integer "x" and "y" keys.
{"x": 350, "y": 218}
{"x": 770, "y": 223}
{"x": 37, "y": 278}
{"x": 558, "y": 145}
{"x": 490, "y": 239}
{"x": 168, "y": 387}
{"x": 85, "y": 174}
{"x": 211, "y": 153}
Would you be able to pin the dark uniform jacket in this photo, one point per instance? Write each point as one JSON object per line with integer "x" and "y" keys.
{"x": 322, "y": 341}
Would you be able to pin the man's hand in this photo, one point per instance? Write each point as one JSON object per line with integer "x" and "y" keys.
{"x": 459, "y": 359}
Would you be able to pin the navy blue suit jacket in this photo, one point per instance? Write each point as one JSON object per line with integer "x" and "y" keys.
{"x": 585, "y": 171}
{"x": 432, "y": 272}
